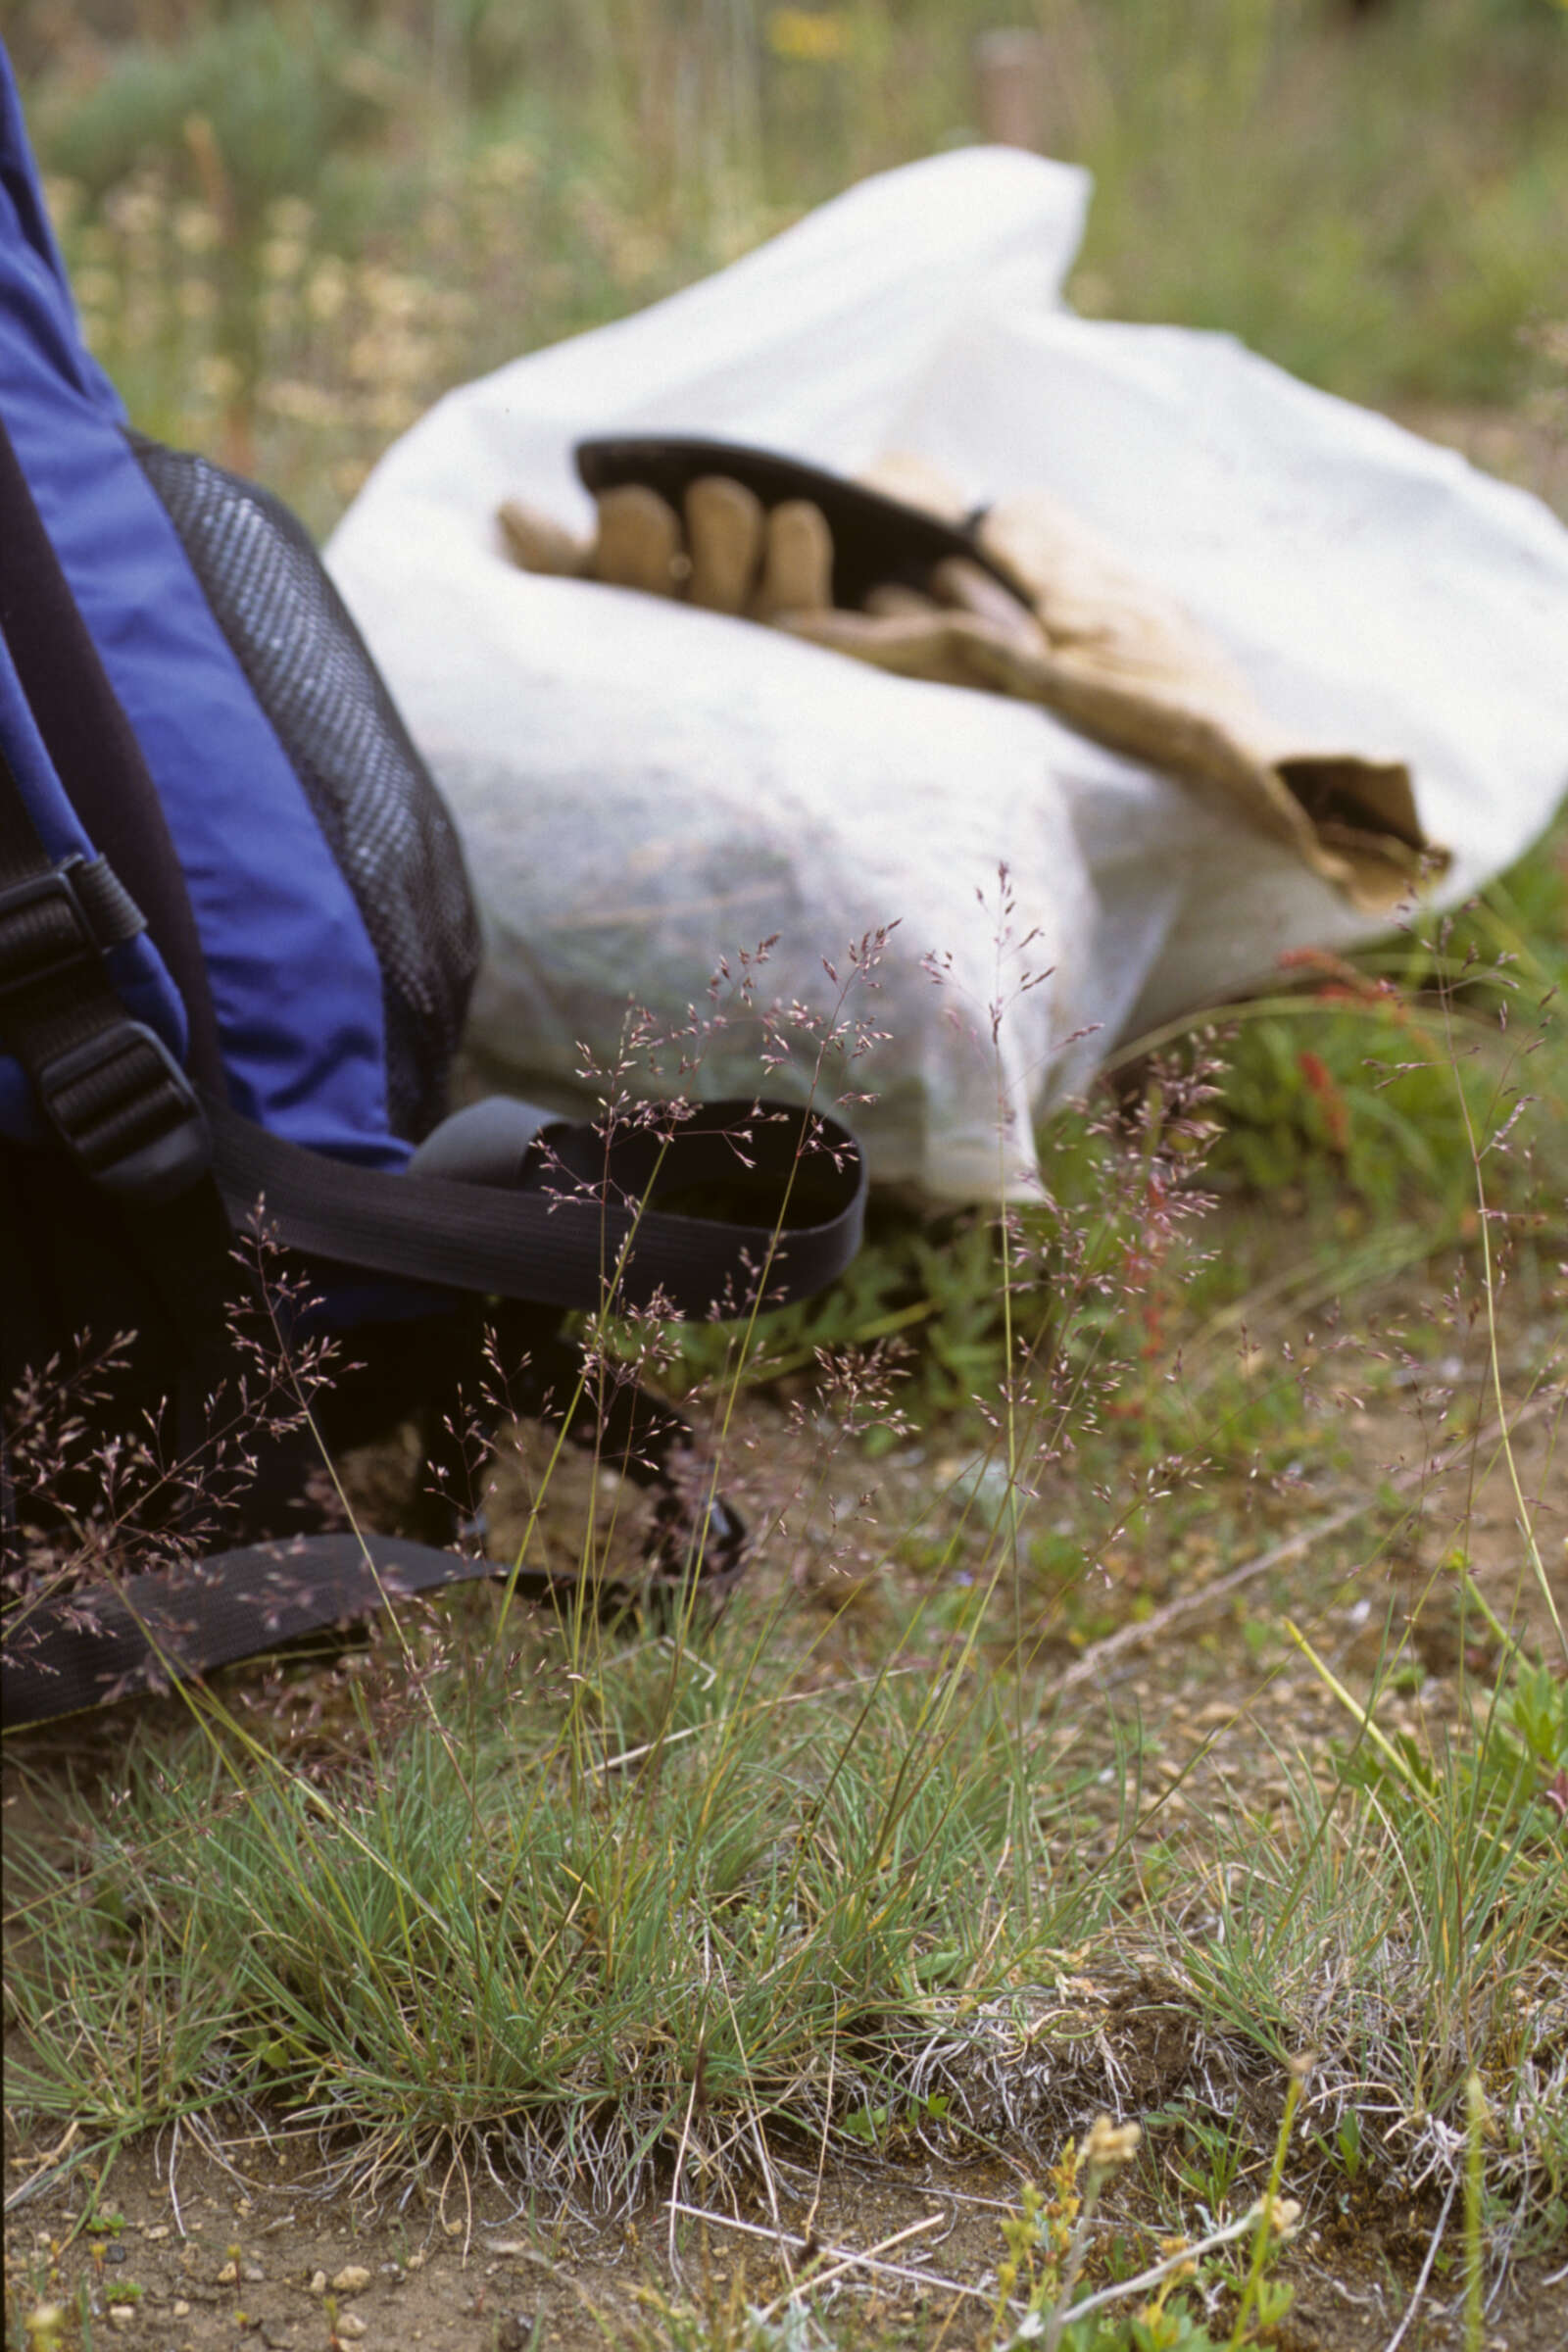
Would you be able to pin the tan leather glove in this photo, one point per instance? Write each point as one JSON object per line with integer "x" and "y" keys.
{"x": 1086, "y": 637}
{"x": 1118, "y": 658}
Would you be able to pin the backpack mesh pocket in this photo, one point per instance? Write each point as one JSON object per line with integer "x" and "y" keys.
{"x": 367, "y": 785}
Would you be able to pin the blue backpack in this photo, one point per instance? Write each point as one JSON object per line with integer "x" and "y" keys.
{"x": 236, "y": 945}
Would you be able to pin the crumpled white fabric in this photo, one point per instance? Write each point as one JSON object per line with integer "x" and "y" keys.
{"x": 646, "y": 791}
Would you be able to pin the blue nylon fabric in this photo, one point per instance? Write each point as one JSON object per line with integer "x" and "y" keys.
{"x": 295, "y": 982}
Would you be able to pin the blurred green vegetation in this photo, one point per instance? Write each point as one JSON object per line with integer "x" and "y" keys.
{"x": 294, "y": 225}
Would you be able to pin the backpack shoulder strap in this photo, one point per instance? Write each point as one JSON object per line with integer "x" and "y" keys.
{"x": 64, "y": 1655}
{"x": 587, "y": 1232}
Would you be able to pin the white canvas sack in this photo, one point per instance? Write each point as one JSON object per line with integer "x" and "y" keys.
{"x": 647, "y": 791}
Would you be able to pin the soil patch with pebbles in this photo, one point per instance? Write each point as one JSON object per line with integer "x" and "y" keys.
{"x": 246, "y": 2252}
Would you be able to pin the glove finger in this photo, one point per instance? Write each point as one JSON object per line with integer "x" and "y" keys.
{"x": 970, "y": 588}
{"x": 726, "y": 531}
{"x": 798, "y": 562}
{"x": 910, "y": 645}
{"x": 538, "y": 543}
{"x": 639, "y": 544}
{"x": 894, "y": 601}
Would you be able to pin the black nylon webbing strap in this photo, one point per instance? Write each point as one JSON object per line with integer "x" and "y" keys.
{"x": 107, "y": 1083}
{"x": 57, "y": 921}
{"x": 66, "y": 1655}
{"x": 562, "y": 1248}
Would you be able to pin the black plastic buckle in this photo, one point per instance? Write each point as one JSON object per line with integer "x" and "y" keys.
{"x": 127, "y": 1113}
{"x": 35, "y": 944}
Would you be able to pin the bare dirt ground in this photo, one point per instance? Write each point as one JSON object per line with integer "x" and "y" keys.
{"x": 253, "y": 2260}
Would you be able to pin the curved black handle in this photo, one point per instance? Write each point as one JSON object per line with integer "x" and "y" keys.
{"x": 876, "y": 539}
